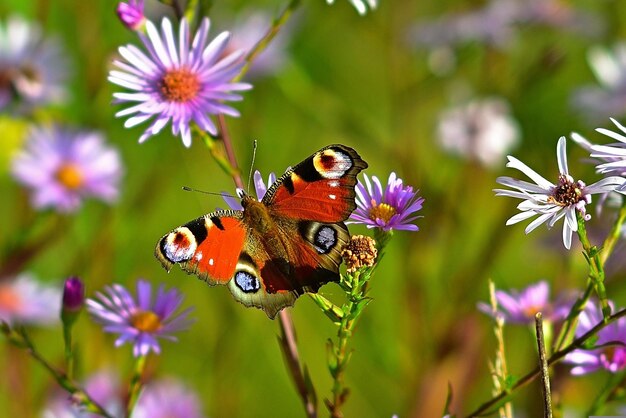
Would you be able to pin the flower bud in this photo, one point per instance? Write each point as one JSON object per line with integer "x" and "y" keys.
{"x": 73, "y": 298}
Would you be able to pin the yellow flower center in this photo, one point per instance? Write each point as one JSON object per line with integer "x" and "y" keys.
{"x": 9, "y": 299}
{"x": 179, "y": 85}
{"x": 70, "y": 176}
{"x": 146, "y": 321}
{"x": 382, "y": 211}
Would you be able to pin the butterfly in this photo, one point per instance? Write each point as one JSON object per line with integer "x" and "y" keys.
{"x": 276, "y": 249}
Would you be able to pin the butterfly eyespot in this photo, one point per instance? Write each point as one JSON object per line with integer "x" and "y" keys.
{"x": 332, "y": 164}
{"x": 179, "y": 245}
{"x": 247, "y": 282}
{"x": 324, "y": 239}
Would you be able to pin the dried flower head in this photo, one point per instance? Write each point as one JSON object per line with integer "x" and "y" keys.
{"x": 360, "y": 252}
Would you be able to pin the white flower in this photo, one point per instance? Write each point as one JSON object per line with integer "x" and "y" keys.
{"x": 482, "y": 130}
{"x": 360, "y": 5}
{"x": 549, "y": 201}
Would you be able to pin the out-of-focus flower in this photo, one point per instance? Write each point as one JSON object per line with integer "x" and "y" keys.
{"x": 609, "y": 357}
{"x": 520, "y": 307}
{"x": 62, "y": 167}
{"x": 103, "y": 387}
{"x": 361, "y": 6}
{"x": 73, "y": 294}
{"x": 24, "y": 300}
{"x": 178, "y": 81}
{"x": 141, "y": 321}
{"x": 33, "y": 69}
{"x": 497, "y": 22}
{"x": 131, "y": 14}
{"x": 597, "y": 102}
{"x": 611, "y": 157}
{"x": 550, "y": 201}
{"x": 248, "y": 30}
{"x": 482, "y": 130}
{"x": 259, "y": 186}
{"x": 167, "y": 399}
{"x": 393, "y": 207}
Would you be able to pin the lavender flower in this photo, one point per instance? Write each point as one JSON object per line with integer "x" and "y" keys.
{"x": 104, "y": 387}
{"x": 24, "y": 300}
{"x": 177, "y": 81}
{"x": 549, "y": 201}
{"x": 64, "y": 167}
{"x": 142, "y": 321}
{"x": 482, "y": 130}
{"x": 167, "y": 399}
{"x": 360, "y": 5}
{"x": 131, "y": 14}
{"x": 388, "y": 209}
{"x": 611, "y": 357}
{"x": 259, "y": 187}
{"x": 608, "y": 98}
{"x": 32, "y": 68}
{"x": 73, "y": 294}
{"x": 521, "y": 307}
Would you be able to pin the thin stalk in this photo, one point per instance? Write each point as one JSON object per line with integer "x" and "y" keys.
{"x": 136, "y": 384}
{"x": 614, "y": 234}
{"x": 596, "y": 267}
{"x": 69, "y": 351}
{"x": 543, "y": 367}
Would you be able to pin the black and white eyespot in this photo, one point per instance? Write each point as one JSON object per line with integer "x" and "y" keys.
{"x": 247, "y": 282}
{"x": 324, "y": 239}
{"x": 179, "y": 245}
{"x": 332, "y": 163}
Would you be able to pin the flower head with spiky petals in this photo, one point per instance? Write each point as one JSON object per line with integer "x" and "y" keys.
{"x": 33, "y": 68}
{"x": 390, "y": 208}
{"x": 24, "y": 300}
{"x": 131, "y": 14}
{"x": 612, "y": 340}
{"x": 168, "y": 398}
{"x": 260, "y": 188}
{"x": 611, "y": 158}
{"x": 62, "y": 167}
{"x": 550, "y": 201}
{"x": 140, "y": 321}
{"x": 176, "y": 81}
{"x": 520, "y": 307}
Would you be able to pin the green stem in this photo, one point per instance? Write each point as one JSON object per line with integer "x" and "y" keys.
{"x": 614, "y": 234}
{"x": 615, "y": 381}
{"x": 596, "y": 267}
{"x": 136, "y": 383}
{"x": 260, "y": 46}
{"x": 568, "y": 329}
{"x": 69, "y": 350}
{"x": 578, "y": 343}
{"x": 19, "y": 338}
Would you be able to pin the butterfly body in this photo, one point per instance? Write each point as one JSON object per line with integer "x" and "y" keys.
{"x": 285, "y": 245}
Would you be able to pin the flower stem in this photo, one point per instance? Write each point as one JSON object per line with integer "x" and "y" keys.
{"x": 614, "y": 234}
{"x": 136, "y": 384}
{"x": 260, "y": 46}
{"x": 596, "y": 267}
{"x": 569, "y": 327}
{"x": 615, "y": 383}
{"x": 69, "y": 350}
{"x": 579, "y": 342}
{"x": 19, "y": 338}
{"x": 543, "y": 367}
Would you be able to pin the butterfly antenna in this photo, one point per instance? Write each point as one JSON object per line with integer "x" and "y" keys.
{"x": 254, "y": 147}
{"x": 191, "y": 189}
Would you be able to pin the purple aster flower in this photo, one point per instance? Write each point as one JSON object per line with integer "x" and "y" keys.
{"x": 550, "y": 201}
{"x": 32, "y": 68}
{"x": 608, "y": 98}
{"x": 611, "y": 357}
{"x": 481, "y": 130}
{"x": 177, "y": 81}
{"x": 259, "y": 186}
{"x": 140, "y": 321}
{"x": 391, "y": 208}
{"x": 63, "y": 167}
{"x": 167, "y": 399}
{"x": 104, "y": 387}
{"x": 521, "y": 307}
{"x": 131, "y": 14}
{"x": 24, "y": 300}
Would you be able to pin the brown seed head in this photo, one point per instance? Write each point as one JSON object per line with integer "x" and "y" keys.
{"x": 360, "y": 252}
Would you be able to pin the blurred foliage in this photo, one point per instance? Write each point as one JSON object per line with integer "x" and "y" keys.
{"x": 358, "y": 81}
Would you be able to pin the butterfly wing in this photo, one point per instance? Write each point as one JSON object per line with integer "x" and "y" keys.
{"x": 208, "y": 247}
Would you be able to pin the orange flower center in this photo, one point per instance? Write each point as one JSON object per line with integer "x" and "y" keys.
{"x": 146, "y": 321}
{"x": 531, "y": 311}
{"x": 9, "y": 299}
{"x": 70, "y": 176}
{"x": 179, "y": 85}
{"x": 382, "y": 211}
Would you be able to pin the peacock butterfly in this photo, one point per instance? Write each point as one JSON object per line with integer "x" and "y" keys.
{"x": 277, "y": 249}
